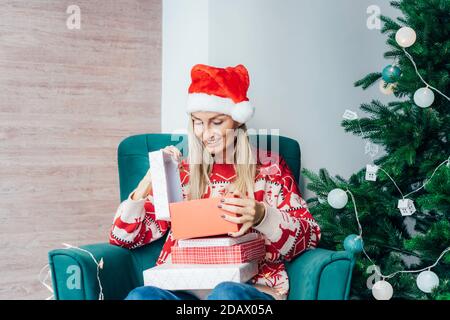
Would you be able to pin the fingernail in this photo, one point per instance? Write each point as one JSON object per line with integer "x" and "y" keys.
{"x": 219, "y": 206}
{"x": 222, "y": 200}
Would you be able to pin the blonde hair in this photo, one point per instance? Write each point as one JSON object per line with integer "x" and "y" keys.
{"x": 201, "y": 161}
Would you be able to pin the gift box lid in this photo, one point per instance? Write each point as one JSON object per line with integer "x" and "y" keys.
{"x": 200, "y": 218}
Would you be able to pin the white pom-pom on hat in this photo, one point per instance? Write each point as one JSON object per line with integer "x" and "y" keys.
{"x": 242, "y": 111}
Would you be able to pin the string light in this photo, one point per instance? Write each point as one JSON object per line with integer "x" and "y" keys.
{"x": 406, "y": 206}
{"x": 43, "y": 281}
{"x": 383, "y": 286}
{"x": 423, "y": 97}
{"x": 382, "y": 290}
{"x": 417, "y": 72}
{"x": 446, "y": 161}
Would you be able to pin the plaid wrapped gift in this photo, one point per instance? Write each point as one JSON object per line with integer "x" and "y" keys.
{"x": 239, "y": 253}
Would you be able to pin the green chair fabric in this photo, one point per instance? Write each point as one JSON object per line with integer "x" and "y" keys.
{"x": 315, "y": 274}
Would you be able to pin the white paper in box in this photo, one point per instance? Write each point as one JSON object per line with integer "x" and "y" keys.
{"x": 166, "y": 183}
{"x": 198, "y": 276}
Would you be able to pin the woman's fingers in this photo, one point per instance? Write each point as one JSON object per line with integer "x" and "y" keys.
{"x": 174, "y": 152}
{"x": 237, "y": 220}
{"x": 234, "y": 209}
{"x": 242, "y": 231}
{"x": 237, "y": 201}
{"x": 148, "y": 175}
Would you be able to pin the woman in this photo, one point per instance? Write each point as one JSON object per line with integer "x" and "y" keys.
{"x": 221, "y": 161}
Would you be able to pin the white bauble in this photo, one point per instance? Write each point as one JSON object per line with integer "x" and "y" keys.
{"x": 382, "y": 290}
{"x": 427, "y": 280}
{"x": 405, "y": 37}
{"x": 389, "y": 89}
{"x": 423, "y": 97}
{"x": 337, "y": 198}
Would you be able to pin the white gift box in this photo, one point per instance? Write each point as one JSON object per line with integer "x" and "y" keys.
{"x": 166, "y": 183}
{"x": 198, "y": 276}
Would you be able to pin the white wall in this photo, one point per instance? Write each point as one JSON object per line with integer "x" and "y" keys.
{"x": 303, "y": 57}
{"x": 185, "y": 42}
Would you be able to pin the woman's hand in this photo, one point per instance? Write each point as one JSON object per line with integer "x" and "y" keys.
{"x": 145, "y": 185}
{"x": 252, "y": 213}
{"x": 174, "y": 152}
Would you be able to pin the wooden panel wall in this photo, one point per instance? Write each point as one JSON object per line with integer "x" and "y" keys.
{"x": 67, "y": 98}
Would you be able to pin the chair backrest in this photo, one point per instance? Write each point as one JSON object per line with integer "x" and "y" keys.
{"x": 133, "y": 154}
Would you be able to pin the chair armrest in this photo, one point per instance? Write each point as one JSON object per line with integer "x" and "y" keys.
{"x": 320, "y": 274}
{"x": 74, "y": 272}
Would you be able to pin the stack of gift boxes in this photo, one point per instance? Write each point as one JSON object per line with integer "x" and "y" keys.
{"x": 203, "y": 263}
{"x": 202, "y": 257}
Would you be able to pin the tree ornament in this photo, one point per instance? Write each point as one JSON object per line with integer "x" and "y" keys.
{"x": 391, "y": 74}
{"x": 427, "y": 281}
{"x": 337, "y": 198}
{"x": 405, "y": 37}
{"x": 386, "y": 88}
{"x": 382, "y": 290}
{"x": 424, "y": 97}
{"x": 353, "y": 243}
{"x": 406, "y": 207}
{"x": 350, "y": 115}
{"x": 371, "y": 172}
{"x": 371, "y": 149}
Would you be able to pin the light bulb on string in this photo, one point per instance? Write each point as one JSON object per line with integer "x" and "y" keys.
{"x": 382, "y": 290}
{"x": 424, "y": 97}
{"x": 386, "y": 88}
{"x": 405, "y": 37}
{"x": 427, "y": 281}
{"x": 337, "y": 198}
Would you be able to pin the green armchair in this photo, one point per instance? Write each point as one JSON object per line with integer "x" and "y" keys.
{"x": 315, "y": 274}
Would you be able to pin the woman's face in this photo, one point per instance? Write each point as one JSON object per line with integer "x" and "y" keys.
{"x": 211, "y": 128}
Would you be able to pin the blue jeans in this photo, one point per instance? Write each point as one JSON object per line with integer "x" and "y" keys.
{"x": 223, "y": 291}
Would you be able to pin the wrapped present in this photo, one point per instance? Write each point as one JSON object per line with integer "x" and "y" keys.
{"x": 217, "y": 241}
{"x": 239, "y": 253}
{"x": 199, "y": 218}
{"x": 166, "y": 183}
{"x": 197, "y": 276}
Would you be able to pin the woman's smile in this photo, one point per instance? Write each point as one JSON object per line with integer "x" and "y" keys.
{"x": 213, "y": 144}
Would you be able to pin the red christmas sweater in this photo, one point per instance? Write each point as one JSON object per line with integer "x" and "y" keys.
{"x": 288, "y": 227}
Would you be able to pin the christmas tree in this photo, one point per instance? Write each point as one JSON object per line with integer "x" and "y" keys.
{"x": 414, "y": 130}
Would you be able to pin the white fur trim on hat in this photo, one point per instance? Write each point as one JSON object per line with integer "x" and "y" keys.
{"x": 240, "y": 112}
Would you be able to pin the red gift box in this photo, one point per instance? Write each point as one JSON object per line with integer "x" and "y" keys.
{"x": 240, "y": 253}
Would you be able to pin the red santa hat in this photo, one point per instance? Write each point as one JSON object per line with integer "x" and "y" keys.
{"x": 221, "y": 90}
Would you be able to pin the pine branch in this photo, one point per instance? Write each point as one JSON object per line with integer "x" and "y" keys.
{"x": 368, "y": 80}
{"x": 389, "y": 24}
